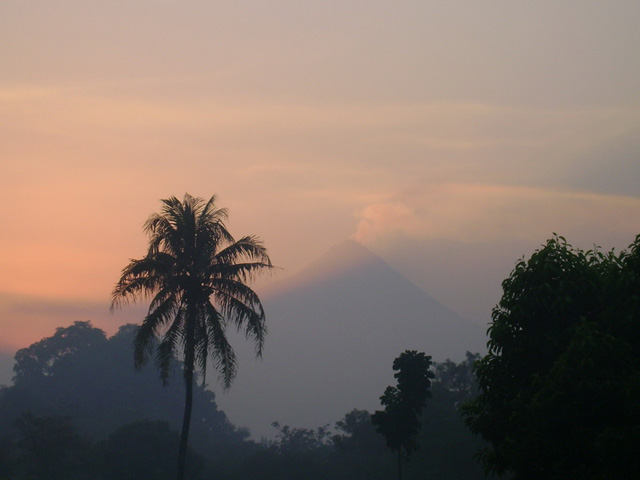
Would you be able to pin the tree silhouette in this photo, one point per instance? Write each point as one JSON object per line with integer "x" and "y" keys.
{"x": 560, "y": 385}
{"x": 79, "y": 373}
{"x": 399, "y": 422}
{"x": 197, "y": 274}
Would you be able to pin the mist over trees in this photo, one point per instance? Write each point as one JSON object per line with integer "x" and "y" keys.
{"x": 78, "y": 387}
{"x": 78, "y": 409}
{"x": 80, "y": 373}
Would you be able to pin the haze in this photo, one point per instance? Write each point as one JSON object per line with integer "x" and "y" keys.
{"x": 450, "y": 138}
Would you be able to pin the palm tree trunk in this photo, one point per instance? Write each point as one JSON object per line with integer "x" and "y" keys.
{"x": 186, "y": 423}
{"x": 400, "y": 463}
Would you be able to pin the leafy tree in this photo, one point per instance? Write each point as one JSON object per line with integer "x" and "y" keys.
{"x": 399, "y": 421}
{"x": 196, "y": 273}
{"x": 48, "y": 357}
{"x": 54, "y": 375}
{"x": 560, "y": 385}
{"x": 457, "y": 379}
{"x": 93, "y": 382}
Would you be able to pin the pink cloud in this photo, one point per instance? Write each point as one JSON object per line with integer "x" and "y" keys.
{"x": 484, "y": 212}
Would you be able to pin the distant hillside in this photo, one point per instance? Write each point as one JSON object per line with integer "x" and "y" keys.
{"x": 334, "y": 330}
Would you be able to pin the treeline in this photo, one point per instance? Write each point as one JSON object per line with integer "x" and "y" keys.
{"x": 78, "y": 410}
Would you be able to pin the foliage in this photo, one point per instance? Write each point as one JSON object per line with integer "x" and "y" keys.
{"x": 300, "y": 453}
{"x": 358, "y": 433}
{"x": 359, "y": 452}
{"x": 444, "y": 435}
{"x": 457, "y": 379}
{"x": 399, "y": 422}
{"x": 560, "y": 385}
{"x": 50, "y": 355}
{"x": 51, "y": 448}
{"x": 144, "y": 450}
{"x": 91, "y": 379}
{"x": 299, "y": 440}
{"x": 196, "y": 274}
{"x": 109, "y": 401}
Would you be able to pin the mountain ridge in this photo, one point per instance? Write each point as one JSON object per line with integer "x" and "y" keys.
{"x": 343, "y": 256}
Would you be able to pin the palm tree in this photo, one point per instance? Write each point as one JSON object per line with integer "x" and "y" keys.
{"x": 195, "y": 275}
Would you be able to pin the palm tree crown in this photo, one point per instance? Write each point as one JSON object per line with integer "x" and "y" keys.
{"x": 195, "y": 274}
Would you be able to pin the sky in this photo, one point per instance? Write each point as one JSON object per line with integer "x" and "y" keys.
{"x": 450, "y": 138}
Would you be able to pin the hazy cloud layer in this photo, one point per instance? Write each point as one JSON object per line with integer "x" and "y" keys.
{"x": 477, "y": 212}
{"x": 26, "y": 320}
{"x": 459, "y": 241}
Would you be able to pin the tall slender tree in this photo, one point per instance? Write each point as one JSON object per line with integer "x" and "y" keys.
{"x": 399, "y": 422}
{"x": 195, "y": 275}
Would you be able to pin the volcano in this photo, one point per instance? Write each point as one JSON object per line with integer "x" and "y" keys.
{"x": 334, "y": 331}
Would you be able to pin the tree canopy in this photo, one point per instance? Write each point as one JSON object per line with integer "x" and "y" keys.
{"x": 80, "y": 373}
{"x": 399, "y": 422}
{"x": 560, "y": 385}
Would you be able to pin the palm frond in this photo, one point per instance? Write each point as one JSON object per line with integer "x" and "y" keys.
{"x": 149, "y": 330}
{"x": 141, "y": 278}
{"x": 202, "y": 340}
{"x": 223, "y": 356}
{"x": 166, "y": 293}
{"x": 129, "y": 291}
{"x": 242, "y": 305}
{"x": 189, "y": 341}
{"x": 243, "y": 272}
{"x": 143, "y": 344}
{"x": 248, "y": 247}
{"x": 165, "y": 353}
{"x": 249, "y": 318}
{"x": 164, "y": 310}
{"x": 234, "y": 288}
{"x": 211, "y": 223}
{"x": 163, "y": 236}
